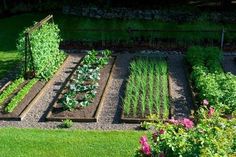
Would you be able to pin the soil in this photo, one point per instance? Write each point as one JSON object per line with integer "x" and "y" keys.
{"x": 23, "y": 104}
{"x": 84, "y": 113}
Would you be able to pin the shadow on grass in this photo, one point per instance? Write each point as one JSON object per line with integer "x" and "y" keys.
{"x": 7, "y": 66}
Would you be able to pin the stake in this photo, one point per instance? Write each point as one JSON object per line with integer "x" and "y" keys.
{"x": 222, "y": 39}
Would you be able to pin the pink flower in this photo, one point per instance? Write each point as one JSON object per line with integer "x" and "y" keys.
{"x": 187, "y": 123}
{"x": 143, "y": 140}
{"x": 205, "y": 102}
{"x": 146, "y": 149}
{"x": 173, "y": 121}
{"x": 211, "y": 111}
{"x": 161, "y": 131}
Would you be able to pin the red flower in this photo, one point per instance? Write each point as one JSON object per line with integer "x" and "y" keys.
{"x": 161, "y": 131}
{"x": 211, "y": 111}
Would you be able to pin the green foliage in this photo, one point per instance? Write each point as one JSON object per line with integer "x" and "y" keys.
{"x": 20, "y": 95}
{"x": 212, "y": 136}
{"x": 147, "y": 77}
{"x": 85, "y": 81}
{"x": 210, "y": 80}
{"x": 45, "y": 50}
{"x": 10, "y": 89}
{"x": 67, "y": 123}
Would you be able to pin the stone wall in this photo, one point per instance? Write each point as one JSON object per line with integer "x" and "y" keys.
{"x": 162, "y": 15}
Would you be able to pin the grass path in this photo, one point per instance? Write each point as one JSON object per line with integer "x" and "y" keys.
{"x": 67, "y": 143}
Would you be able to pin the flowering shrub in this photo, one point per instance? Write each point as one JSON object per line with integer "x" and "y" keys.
{"x": 212, "y": 136}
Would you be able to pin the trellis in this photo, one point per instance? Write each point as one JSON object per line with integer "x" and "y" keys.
{"x": 29, "y": 65}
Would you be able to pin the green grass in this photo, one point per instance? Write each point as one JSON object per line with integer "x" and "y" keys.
{"x": 147, "y": 88}
{"x": 65, "y": 143}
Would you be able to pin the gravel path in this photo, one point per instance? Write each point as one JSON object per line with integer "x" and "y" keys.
{"x": 109, "y": 118}
{"x": 229, "y": 64}
{"x": 179, "y": 90}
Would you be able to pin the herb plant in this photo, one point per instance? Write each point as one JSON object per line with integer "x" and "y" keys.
{"x": 147, "y": 88}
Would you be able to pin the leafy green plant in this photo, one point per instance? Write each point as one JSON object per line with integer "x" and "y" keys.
{"x": 209, "y": 79}
{"x": 67, "y": 123}
{"x": 45, "y": 49}
{"x": 212, "y": 136}
{"x": 20, "y": 95}
{"x": 68, "y": 101}
{"x": 85, "y": 81}
{"x": 10, "y": 89}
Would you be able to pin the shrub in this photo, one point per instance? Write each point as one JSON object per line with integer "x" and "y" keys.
{"x": 209, "y": 79}
{"x": 212, "y": 136}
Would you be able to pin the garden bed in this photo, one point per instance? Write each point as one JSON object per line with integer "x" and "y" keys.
{"x": 151, "y": 74}
{"x": 31, "y": 94}
{"x": 20, "y": 110}
{"x": 89, "y": 113}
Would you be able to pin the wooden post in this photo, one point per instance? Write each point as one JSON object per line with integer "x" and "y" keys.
{"x": 222, "y": 39}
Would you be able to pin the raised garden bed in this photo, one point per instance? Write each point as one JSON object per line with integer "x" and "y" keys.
{"x": 147, "y": 90}
{"x": 81, "y": 112}
{"x": 17, "y": 97}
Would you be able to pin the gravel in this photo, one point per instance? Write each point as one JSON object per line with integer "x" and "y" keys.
{"x": 109, "y": 118}
{"x": 179, "y": 89}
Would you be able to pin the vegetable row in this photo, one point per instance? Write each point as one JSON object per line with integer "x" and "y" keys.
{"x": 147, "y": 88}
{"x": 209, "y": 79}
{"x": 82, "y": 87}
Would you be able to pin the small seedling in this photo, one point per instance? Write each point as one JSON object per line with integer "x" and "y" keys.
{"x": 67, "y": 123}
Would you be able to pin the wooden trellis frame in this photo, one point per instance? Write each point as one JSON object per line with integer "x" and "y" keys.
{"x": 29, "y": 60}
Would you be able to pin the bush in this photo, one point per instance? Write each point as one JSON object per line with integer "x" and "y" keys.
{"x": 209, "y": 79}
{"x": 45, "y": 50}
{"x": 213, "y": 136}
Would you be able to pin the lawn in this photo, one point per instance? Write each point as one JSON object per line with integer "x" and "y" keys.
{"x": 12, "y": 26}
{"x": 72, "y": 143}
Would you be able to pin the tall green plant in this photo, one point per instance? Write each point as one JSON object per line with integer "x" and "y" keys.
{"x": 45, "y": 50}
